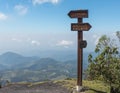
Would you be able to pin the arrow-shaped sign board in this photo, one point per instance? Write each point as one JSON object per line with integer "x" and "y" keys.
{"x": 80, "y": 26}
{"x": 78, "y": 14}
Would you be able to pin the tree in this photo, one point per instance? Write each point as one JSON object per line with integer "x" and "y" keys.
{"x": 118, "y": 35}
{"x": 106, "y": 65}
{"x": 0, "y": 81}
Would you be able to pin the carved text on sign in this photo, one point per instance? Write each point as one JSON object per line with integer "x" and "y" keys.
{"x": 80, "y": 27}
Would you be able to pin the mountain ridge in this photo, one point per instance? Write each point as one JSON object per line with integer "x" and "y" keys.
{"x": 36, "y": 69}
{"x": 10, "y": 58}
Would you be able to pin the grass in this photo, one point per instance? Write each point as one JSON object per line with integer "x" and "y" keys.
{"x": 92, "y": 86}
{"x": 30, "y": 84}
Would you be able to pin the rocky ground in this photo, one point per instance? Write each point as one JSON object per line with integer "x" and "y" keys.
{"x": 48, "y": 87}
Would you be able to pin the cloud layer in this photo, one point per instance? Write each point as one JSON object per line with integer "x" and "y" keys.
{"x": 34, "y": 42}
{"x": 44, "y": 1}
{"x": 3, "y": 16}
{"x": 64, "y": 43}
{"x": 21, "y": 10}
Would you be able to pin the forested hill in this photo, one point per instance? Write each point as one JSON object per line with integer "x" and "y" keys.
{"x": 35, "y": 68}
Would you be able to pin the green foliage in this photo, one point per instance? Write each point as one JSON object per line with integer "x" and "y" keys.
{"x": 106, "y": 65}
{"x": 118, "y": 34}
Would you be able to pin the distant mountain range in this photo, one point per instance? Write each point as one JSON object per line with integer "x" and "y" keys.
{"x": 15, "y": 67}
{"x": 10, "y": 59}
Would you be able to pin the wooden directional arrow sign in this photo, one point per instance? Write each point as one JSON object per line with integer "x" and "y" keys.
{"x": 80, "y": 27}
{"x": 78, "y": 14}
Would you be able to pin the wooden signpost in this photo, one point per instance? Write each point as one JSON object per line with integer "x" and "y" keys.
{"x": 80, "y": 27}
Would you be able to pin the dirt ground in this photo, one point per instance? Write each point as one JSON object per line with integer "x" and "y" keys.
{"x": 48, "y": 87}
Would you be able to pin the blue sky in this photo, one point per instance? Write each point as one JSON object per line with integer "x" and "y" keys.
{"x": 38, "y": 25}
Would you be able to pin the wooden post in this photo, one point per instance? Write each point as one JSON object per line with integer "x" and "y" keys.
{"x": 80, "y": 57}
{"x": 80, "y": 26}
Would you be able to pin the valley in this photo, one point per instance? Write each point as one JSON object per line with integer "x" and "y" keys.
{"x": 17, "y": 68}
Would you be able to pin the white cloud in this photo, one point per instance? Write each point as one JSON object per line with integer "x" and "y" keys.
{"x": 96, "y": 41}
{"x": 64, "y": 43}
{"x": 36, "y": 43}
{"x": 113, "y": 35}
{"x": 21, "y": 10}
{"x": 3, "y": 16}
{"x": 16, "y": 39}
{"x": 26, "y": 41}
{"x": 96, "y": 38}
{"x": 44, "y": 1}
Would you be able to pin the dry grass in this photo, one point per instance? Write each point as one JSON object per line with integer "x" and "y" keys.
{"x": 91, "y": 86}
